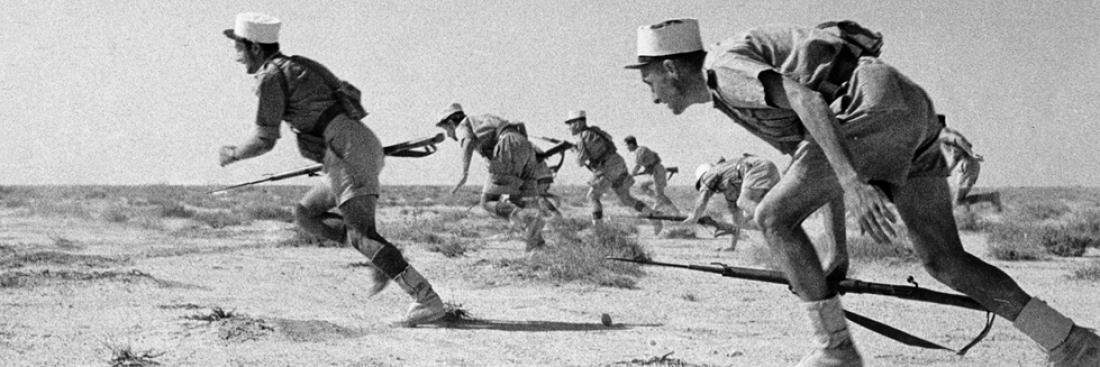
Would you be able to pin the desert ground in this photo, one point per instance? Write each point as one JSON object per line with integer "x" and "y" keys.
{"x": 170, "y": 276}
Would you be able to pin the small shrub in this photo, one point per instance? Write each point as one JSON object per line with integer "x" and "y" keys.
{"x": 451, "y": 247}
{"x": 1064, "y": 243}
{"x": 269, "y": 212}
{"x": 1014, "y": 241}
{"x": 175, "y": 210}
{"x": 1038, "y": 211}
{"x": 302, "y": 238}
{"x": 219, "y": 219}
{"x": 116, "y": 214}
{"x": 216, "y": 313}
{"x": 126, "y": 356}
{"x": 969, "y": 220}
{"x": 1089, "y": 271}
{"x": 580, "y": 257}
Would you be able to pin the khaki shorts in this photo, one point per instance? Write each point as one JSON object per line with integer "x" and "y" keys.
{"x": 611, "y": 174}
{"x": 762, "y": 177}
{"x": 353, "y": 160}
{"x": 889, "y": 126}
{"x": 512, "y": 167}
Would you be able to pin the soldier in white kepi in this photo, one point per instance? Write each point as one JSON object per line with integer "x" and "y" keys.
{"x": 596, "y": 151}
{"x": 648, "y": 162}
{"x": 512, "y": 167}
{"x": 855, "y": 127}
{"x": 324, "y": 112}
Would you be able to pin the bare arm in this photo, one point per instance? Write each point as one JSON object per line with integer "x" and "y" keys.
{"x": 700, "y": 207}
{"x": 468, "y": 146}
{"x": 868, "y": 203}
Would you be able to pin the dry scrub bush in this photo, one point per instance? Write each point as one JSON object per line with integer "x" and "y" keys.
{"x": 1089, "y": 271}
{"x": 450, "y": 247}
{"x": 1014, "y": 241}
{"x": 127, "y": 356}
{"x": 575, "y": 256}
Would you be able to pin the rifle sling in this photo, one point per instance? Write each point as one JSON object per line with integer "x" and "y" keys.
{"x": 912, "y": 340}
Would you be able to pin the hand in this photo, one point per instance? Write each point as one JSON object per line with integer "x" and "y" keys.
{"x": 871, "y": 210}
{"x": 691, "y": 219}
{"x": 227, "y": 155}
{"x": 459, "y": 185}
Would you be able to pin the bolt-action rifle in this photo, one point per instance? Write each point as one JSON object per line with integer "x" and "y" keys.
{"x": 908, "y": 292}
{"x": 720, "y": 229}
{"x": 560, "y": 148}
{"x": 410, "y": 149}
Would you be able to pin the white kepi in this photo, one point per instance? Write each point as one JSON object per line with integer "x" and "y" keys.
{"x": 575, "y": 115}
{"x": 255, "y": 27}
{"x": 667, "y": 38}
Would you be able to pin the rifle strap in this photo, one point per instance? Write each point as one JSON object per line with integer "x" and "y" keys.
{"x": 912, "y": 340}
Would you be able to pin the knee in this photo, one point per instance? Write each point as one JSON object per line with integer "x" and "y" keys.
{"x": 773, "y": 220}
{"x": 303, "y": 216}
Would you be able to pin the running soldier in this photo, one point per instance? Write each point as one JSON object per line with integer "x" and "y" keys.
{"x": 960, "y": 155}
{"x": 648, "y": 162}
{"x": 311, "y": 100}
{"x": 596, "y": 151}
{"x": 743, "y": 182}
{"x": 511, "y": 164}
{"x": 855, "y": 127}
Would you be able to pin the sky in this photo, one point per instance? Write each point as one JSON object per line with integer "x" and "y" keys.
{"x": 144, "y": 92}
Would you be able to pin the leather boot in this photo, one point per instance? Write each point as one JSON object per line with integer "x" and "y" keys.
{"x": 427, "y": 306}
{"x": 1066, "y": 344}
{"x": 831, "y": 338}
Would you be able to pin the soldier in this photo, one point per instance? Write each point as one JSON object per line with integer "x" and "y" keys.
{"x": 647, "y": 162}
{"x": 311, "y": 100}
{"x": 855, "y": 127}
{"x": 743, "y": 182}
{"x": 596, "y": 151}
{"x": 512, "y": 163}
{"x": 960, "y": 154}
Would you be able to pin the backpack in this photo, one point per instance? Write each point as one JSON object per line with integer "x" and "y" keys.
{"x": 865, "y": 39}
{"x": 349, "y": 97}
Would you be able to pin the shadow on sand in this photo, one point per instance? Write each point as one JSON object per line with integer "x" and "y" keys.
{"x": 532, "y": 326}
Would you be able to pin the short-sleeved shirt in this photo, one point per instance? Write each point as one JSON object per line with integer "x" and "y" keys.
{"x": 956, "y": 148}
{"x": 645, "y": 157}
{"x": 594, "y": 147}
{"x": 483, "y": 131}
{"x": 309, "y": 96}
{"x": 886, "y": 121}
{"x": 734, "y": 177}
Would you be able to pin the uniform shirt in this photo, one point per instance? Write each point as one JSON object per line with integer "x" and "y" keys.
{"x": 732, "y": 177}
{"x": 309, "y": 96}
{"x": 956, "y": 149}
{"x": 734, "y": 67}
{"x": 482, "y": 130}
{"x": 645, "y": 157}
{"x": 594, "y": 147}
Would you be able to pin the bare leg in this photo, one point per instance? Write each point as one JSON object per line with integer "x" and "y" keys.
{"x": 924, "y": 204}
{"x": 834, "y": 256}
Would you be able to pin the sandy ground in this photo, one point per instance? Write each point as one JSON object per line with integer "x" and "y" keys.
{"x": 126, "y": 286}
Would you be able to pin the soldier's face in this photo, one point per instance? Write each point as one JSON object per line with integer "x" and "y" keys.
{"x": 576, "y": 126}
{"x": 664, "y": 87}
{"x": 249, "y": 56}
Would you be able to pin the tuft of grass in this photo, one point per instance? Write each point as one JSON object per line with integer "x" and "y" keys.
{"x": 679, "y": 233}
{"x": 580, "y": 257}
{"x": 970, "y": 220}
{"x": 864, "y": 248}
{"x": 689, "y": 297}
{"x": 302, "y": 238}
{"x": 216, "y": 314}
{"x": 116, "y": 214}
{"x": 1089, "y": 271}
{"x": 126, "y": 356}
{"x": 451, "y": 247}
{"x": 453, "y": 313}
{"x": 176, "y": 210}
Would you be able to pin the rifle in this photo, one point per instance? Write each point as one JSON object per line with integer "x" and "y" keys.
{"x": 843, "y": 286}
{"x": 671, "y": 172}
{"x": 560, "y": 148}
{"x": 720, "y": 229}
{"x": 406, "y": 149}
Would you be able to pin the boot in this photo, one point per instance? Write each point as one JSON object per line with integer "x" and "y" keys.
{"x": 1066, "y": 344}
{"x": 427, "y": 307}
{"x": 831, "y": 338}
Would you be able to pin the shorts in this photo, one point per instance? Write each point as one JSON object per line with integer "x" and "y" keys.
{"x": 353, "y": 159}
{"x": 612, "y": 173}
{"x": 761, "y": 177}
{"x": 512, "y": 167}
{"x": 889, "y": 126}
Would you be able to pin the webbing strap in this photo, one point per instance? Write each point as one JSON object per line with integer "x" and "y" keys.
{"x": 912, "y": 340}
